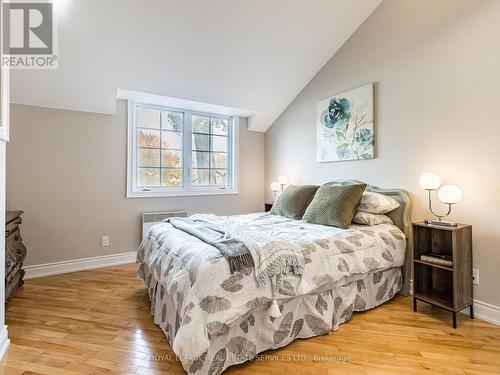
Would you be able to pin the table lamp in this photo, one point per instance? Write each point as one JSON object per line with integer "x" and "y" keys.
{"x": 448, "y": 194}
{"x": 275, "y": 187}
{"x": 282, "y": 180}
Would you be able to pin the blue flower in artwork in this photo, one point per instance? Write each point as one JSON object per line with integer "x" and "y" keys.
{"x": 339, "y": 111}
{"x": 364, "y": 136}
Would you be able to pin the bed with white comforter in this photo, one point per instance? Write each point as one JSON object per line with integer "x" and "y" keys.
{"x": 214, "y": 318}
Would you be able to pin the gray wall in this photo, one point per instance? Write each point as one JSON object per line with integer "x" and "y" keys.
{"x": 67, "y": 170}
{"x": 436, "y": 65}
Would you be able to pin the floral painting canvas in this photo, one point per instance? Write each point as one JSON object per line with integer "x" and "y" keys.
{"x": 345, "y": 128}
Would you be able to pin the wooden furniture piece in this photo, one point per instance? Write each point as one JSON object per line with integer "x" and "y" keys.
{"x": 268, "y": 206}
{"x": 15, "y": 252}
{"x": 448, "y": 287}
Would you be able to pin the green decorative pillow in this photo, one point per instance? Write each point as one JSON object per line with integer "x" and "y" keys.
{"x": 334, "y": 205}
{"x": 293, "y": 201}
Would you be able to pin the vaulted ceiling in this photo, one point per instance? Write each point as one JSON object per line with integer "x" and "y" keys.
{"x": 255, "y": 55}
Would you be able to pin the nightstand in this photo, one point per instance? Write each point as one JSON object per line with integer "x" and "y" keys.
{"x": 268, "y": 206}
{"x": 448, "y": 286}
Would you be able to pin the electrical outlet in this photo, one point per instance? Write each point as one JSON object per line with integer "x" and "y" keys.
{"x": 475, "y": 276}
{"x": 105, "y": 241}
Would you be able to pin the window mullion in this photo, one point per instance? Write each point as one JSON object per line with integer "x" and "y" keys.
{"x": 135, "y": 144}
{"x": 230, "y": 149}
{"x": 161, "y": 148}
{"x": 187, "y": 150}
{"x": 210, "y": 149}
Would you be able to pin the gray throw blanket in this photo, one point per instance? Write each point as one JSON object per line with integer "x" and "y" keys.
{"x": 271, "y": 257}
{"x": 235, "y": 252}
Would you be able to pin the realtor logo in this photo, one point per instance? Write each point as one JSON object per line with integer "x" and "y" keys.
{"x": 29, "y": 36}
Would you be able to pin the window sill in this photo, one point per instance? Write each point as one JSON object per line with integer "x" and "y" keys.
{"x": 180, "y": 193}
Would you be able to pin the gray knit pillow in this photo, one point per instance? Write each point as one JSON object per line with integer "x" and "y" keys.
{"x": 293, "y": 201}
{"x": 334, "y": 205}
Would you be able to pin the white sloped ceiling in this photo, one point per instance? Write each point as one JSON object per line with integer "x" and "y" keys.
{"x": 251, "y": 54}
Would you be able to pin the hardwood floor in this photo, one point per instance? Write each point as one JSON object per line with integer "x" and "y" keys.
{"x": 98, "y": 322}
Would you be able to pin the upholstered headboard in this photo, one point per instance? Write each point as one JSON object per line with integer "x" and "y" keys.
{"x": 401, "y": 218}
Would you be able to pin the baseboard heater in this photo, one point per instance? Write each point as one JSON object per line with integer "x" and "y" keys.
{"x": 151, "y": 218}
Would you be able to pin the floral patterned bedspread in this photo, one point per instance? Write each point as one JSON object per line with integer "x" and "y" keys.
{"x": 201, "y": 289}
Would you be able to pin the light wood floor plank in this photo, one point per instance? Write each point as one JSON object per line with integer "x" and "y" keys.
{"x": 99, "y": 322}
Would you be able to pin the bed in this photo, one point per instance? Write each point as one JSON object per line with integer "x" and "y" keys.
{"x": 214, "y": 319}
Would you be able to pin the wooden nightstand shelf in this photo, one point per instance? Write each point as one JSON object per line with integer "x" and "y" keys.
{"x": 446, "y": 286}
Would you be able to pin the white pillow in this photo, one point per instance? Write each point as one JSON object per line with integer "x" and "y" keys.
{"x": 366, "y": 218}
{"x": 375, "y": 203}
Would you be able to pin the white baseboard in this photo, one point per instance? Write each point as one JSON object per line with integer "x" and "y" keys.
{"x": 67, "y": 266}
{"x": 485, "y": 311}
{"x": 4, "y": 341}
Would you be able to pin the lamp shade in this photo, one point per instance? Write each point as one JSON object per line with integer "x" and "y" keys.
{"x": 283, "y": 180}
{"x": 430, "y": 181}
{"x": 450, "y": 194}
{"x": 275, "y": 186}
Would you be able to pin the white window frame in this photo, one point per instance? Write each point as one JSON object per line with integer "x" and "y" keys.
{"x": 133, "y": 191}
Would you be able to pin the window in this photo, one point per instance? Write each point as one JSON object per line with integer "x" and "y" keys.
{"x": 209, "y": 150}
{"x": 179, "y": 152}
